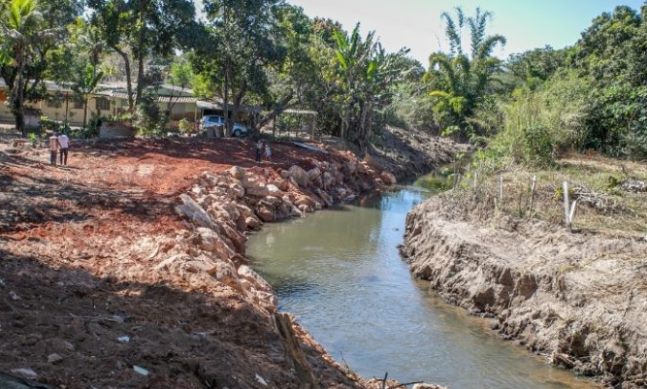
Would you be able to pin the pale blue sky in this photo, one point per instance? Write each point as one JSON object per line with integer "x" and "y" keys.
{"x": 416, "y": 24}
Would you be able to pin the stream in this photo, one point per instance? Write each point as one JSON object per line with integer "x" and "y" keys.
{"x": 340, "y": 273}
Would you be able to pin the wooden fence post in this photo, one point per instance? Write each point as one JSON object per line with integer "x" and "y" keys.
{"x": 533, "y": 186}
{"x": 566, "y": 204}
{"x": 569, "y": 209}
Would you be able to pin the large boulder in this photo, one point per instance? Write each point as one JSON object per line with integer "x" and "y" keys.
{"x": 388, "y": 178}
{"x": 325, "y": 197}
{"x": 237, "y": 172}
{"x": 212, "y": 242}
{"x": 328, "y": 180}
{"x": 257, "y": 191}
{"x": 314, "y": 173}
{"x": 265, "y": 213}
{"x": 273, "y": 190}
{"x": 191, "y": 210}
{"x": 299, "y": 176}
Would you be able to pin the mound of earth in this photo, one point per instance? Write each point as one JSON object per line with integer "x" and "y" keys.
{"x": 580, "y": 298}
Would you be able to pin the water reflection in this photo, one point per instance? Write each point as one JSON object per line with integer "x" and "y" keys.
{"x": 340, "y": 273}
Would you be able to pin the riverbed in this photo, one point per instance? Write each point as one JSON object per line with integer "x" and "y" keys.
{"x": 340, "y": 273}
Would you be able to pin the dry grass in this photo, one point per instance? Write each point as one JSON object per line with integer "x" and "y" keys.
{"x": 616, "y": 212}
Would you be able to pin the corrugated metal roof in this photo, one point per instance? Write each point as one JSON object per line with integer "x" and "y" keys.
{"x": 160, "y": 99}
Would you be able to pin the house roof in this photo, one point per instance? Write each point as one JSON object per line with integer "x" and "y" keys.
{"x": 159, "y": 99}
{"x": 175, "y": 94}
{"x": 219, "y": 105}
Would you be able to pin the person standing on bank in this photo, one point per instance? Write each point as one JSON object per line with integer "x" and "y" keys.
{"x": 259, "y": 150}
{"x": 53, "y": 149}
{"x": 64, "y": 145}
{"x": 268, "y": 152}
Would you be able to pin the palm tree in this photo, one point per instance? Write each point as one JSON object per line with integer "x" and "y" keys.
{"x": 460, "y": 79}
{"x": 86, "y": 85}
{"x": 23, "y": 34}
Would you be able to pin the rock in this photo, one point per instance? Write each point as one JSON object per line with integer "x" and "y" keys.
{"x": 207, "y": 180}
{"x": 13, "y": 295}
{"x": 273, "y": 190}
{"x": 299, "y": 176}
{"x": 237, "y": 172}
{"x": 140, "y": 370}
{"x": 194, "y": 212}
{"x": 54, "y": 358}
{"x": 350, "y": 168}
{"x": 314, "y": 173}
{"x": 282, "y": 184}
{"x": 559, "y": 359}
{"x": 328, "y": 180}
{"x": 236, "y": 191}
{"x": 305, "y": 203}
{"x": 261, "y": 380}
{"x": 252, "y": 222}
{"x": 25, "y": 372}
{"x": 265, "y": 213}
{"x": 257, "y": 191}
{"x": 249, "y": 274}
{"x": 388, "y": 178}
{"x": 213, "y": 242}
{"x": 328, "y": 201}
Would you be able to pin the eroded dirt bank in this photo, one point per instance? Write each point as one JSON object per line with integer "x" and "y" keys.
{"x": 128, "y": 269}
{"x": 579, "y": 298}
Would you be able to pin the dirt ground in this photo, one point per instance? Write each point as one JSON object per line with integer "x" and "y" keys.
{"x": 578, "y": 296}
{"x": 78, "y": 304}
{"x": 92, "y": 293}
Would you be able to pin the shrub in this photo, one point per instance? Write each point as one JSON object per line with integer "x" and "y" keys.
{"x": 539, "y": 124}
{"x": 185, "y": 126}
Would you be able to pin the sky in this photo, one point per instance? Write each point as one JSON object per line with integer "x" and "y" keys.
{"x": 416, "y": 24}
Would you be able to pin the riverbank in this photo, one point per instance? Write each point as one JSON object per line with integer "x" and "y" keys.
{"x": 128, "y": 267}
{"x": 578, "y": 296}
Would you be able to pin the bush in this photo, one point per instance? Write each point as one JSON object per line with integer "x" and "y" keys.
{"x": 538, "y": 125}
{"x": 150, "y": 119}
{"x": 185, "y": 126}
{"x": 538, "y": 146}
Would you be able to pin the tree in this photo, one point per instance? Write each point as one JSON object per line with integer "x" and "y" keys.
{"x": 242, "y": 42}
{"x": 460, "y": 80}
{"x": 180, "y": 75}
{"x": 26, "y": 40}
{"x": 139, "y": 29}
{"x": 366, "y": 72}
{"x": 533, "y": 67}
{"x": 86, "y": 84}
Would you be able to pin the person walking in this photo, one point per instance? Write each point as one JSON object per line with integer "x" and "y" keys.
{"x": 64, "y": 145}
{"x": 53, "y": 149}
{"x": 268, "y": 152}
{"x": 259, "y": 150}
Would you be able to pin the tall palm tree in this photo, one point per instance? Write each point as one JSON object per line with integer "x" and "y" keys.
{"x": 23, "y": 34}
{"x": 461, "y": 79}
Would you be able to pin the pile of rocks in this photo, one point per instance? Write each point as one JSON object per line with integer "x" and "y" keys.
{"x": 221, "y": 207}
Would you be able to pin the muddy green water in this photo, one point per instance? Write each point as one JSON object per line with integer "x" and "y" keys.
{"x": 340, "y": 273}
